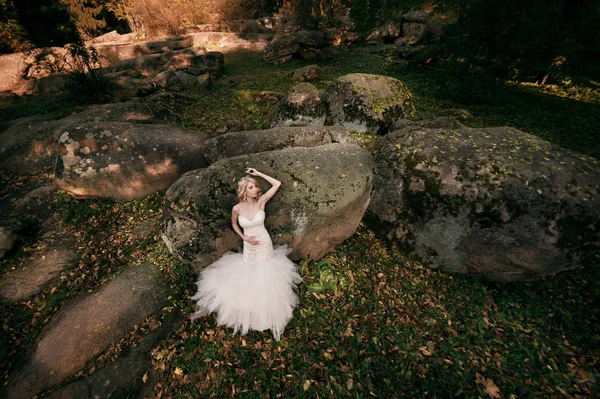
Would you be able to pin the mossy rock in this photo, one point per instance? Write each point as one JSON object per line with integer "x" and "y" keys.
{"x": 368, "y": 103}
{"x": 494, "y": 202}
{"x": 324, "y": 194}
{"x": 301, "y": 107}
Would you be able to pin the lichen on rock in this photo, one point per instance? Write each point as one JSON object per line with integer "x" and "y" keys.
{"x": 368, "y": 103}
{"x": 495, "y": 202}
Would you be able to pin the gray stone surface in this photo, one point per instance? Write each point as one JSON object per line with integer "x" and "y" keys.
{"x": 495, "y": 202}
{"x": 309, "y": 73}
{"x": 301, "y": 107}
{"x": 42, "y": 267}
{"x": 125, "y": 377}
{"x": 124, "y": 161}
{"x": 367, "y": 103}
{"x": 440, "y": 122}
{"x": 294, "y": 42}
{"x": 31, "y": 144}
{"x": 8, "y": 239}
{"x": 28, "y": 120}
{"x": 412, "y": 33}
{"x": 38, "y": 197}
{"x": 249, "y": 142}
{"x": 325, "y": 191}
{"x": 87, "y": 326}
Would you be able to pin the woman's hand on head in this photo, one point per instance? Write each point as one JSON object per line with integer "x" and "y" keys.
{"x": 252, "y": 171}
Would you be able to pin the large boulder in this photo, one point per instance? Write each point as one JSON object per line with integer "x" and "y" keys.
{"x": 494, "y": 202}
{"x": 367, "y": 103}
{"x": 30, "y": 143}
{"x": 126, "y": 85}
{"x": 124, "y": 161}
{"x": 249, "y": 142}
{"x": 301, "y": 107}
{"x": 325, "y": 191}
{"x": 195, "y": 63}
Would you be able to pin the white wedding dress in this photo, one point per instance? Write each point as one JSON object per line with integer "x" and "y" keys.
{"x": 253, "y": 290}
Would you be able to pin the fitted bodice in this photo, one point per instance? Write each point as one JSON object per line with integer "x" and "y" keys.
{"x": 257, "y": 220}
{"x": 255, "y": 227}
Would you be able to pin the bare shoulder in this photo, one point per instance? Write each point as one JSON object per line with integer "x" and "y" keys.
{"x": 236, "y": 208}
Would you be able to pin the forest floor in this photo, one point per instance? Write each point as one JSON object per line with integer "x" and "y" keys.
{"x": 383, "y": 325}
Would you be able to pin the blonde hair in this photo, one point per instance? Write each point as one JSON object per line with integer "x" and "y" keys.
{"x": 243, "y": 183}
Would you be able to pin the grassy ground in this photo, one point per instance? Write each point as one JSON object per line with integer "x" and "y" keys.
{"x": 386, "y": 326}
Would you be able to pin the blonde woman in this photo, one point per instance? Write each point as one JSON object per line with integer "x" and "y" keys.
{"x": 253, "y": 290}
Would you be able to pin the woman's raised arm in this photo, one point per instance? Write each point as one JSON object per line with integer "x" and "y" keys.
{"x": 275, "y": 184}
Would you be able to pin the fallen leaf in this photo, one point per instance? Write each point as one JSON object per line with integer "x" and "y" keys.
{"x": 145, "y": 378}
{"x": 306, "y": 385}
{"x": 490, "y": 388}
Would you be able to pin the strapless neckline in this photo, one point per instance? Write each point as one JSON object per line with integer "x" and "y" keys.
{"x": 254, "y": 217}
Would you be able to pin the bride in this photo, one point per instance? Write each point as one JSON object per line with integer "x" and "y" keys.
{"x": 253, "y": 290}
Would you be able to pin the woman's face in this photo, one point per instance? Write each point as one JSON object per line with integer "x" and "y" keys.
{"x": 252, "y": 190}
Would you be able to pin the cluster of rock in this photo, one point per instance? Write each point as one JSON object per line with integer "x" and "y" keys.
{"x": 295, "y": 40}
{"x": 86, "y": 327}
{"x": 342, "y": 32}
{"x": 177, "y": 71}
{"x": 130, "y": 66}
{"x": 358, "y": 102}
{"x": 494, "y": 202}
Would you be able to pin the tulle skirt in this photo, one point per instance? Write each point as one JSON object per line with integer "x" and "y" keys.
{"x": 249, "y": 296}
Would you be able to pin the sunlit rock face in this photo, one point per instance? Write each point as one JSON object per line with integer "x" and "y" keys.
{"x": 494, "y": 202}
{"x": 29, "y": 144}
{"x": 324, "y": 194}
{"x": 367, "y": 103}
{"x": 122, "y": 160}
